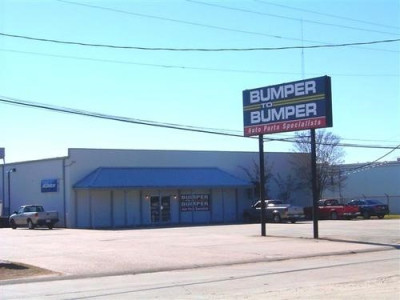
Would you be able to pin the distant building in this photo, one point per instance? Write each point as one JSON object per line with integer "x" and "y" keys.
{"x": 379, "y": 181}
{"x": 97, "y": 188}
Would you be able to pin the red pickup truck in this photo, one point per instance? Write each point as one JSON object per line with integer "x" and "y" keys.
{"x": 333, "y": 210}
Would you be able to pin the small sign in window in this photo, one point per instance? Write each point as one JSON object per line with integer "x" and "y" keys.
{"x": 195, "y": 202}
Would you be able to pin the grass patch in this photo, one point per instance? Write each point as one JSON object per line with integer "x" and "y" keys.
{"x": 10, "y": 270}
{"x": 392, "y": 217}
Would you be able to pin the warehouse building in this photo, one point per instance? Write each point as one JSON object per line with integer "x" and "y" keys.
{"x": 378, "y": 180}
{"x": 98, "y": 188}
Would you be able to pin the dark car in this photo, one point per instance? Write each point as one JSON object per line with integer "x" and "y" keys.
{"x": 370, "y": 207}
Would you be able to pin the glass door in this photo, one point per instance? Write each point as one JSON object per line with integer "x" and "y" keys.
{"x": 155, "y": 209}
{"x": 160, "y": 209}
{"x": 165, "y": 209}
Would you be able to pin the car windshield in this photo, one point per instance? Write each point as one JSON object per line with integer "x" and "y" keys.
{"x": 274, "y": 201}
{"x": 373, "y": 202}
{"x": 267, "y": 202}
{"x": 34, "y": 209}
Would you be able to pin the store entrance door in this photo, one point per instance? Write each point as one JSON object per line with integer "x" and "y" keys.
{"x": 160, "y": 209}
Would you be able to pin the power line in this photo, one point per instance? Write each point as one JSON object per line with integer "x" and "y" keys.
{"x": 52, "y": 108}
{"x": 199, "y": 24}
{"x": 79, "y": 112}
{"x": 175, "y": 20}
{"x": 350, "y": 145}
{"x": 170, "y": 66}
{"x": 370, "y": 164}
{"x": 326, "y": 14}
{"x": 288, "y": 18}
{"x": 383, "y": 156}
{"x": 223, "y": 132}
{"x": 197, "y": 49}
{"x": 368, "y": 140}
{"x": 183, "y": 67}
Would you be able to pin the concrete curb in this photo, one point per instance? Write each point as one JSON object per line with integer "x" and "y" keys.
{"x": 47, "y": 278}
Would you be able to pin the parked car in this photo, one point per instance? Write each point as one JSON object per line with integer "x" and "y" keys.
{"x": 370, "y": 207}
{"x": 33, "y": 216}
{"x": 333, "y": 210}
{"x": 275, "y": 210}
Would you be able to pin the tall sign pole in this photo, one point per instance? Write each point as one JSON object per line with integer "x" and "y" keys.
{"x": 314, "y": 183}
{"x": 300, "y": 105}
{"x": 262, "y": 183}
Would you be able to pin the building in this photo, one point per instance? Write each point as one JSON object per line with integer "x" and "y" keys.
{"x": 97, "y": 188}
{"x": 380, "y": 181}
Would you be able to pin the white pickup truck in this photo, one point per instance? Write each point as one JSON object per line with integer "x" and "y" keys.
{"x": 275, "y": 211}
{"x": 33, "y": 216}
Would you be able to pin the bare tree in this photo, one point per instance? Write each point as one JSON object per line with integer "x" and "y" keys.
{"x": 329, "y": 156}
{"x": 286, "y": 186}
{"x": 253, "y": 173}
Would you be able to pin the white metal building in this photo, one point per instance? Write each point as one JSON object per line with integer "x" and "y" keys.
{"x": 380, "y": 181}
{"x": 97, "y": 188}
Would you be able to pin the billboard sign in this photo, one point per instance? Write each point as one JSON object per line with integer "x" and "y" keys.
{"x": 292, "y": 106}
{"x": 48, "y": 185}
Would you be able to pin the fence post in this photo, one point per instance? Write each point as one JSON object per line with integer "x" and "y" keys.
{"x": 388, "y": 200}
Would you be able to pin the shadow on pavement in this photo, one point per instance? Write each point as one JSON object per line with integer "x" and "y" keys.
{"x": 394, "y": 246}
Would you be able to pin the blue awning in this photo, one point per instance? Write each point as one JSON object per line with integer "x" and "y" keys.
{"x": 115, "y": 178}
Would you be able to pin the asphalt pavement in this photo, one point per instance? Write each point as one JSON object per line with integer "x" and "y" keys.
{"x": 74, "y": 253}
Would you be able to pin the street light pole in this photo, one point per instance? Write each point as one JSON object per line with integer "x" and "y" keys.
{"x": 9, "y": 189}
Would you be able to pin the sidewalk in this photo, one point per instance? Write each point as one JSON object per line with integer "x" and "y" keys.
{"x": 80, "y": 253}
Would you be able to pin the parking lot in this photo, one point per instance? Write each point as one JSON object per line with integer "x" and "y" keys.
{"x": 77, "y": 252}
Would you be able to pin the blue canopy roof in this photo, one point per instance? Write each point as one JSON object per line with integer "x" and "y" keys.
{"x": 107, "y": 178}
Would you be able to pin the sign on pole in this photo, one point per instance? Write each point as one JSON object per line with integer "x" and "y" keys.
{"x": 299, "y": 105}
{"x": 292, "y": 106}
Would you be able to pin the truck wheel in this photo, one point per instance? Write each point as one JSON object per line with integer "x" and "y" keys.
{"x": 30, "y": 224}
{"x": 50, "y": 226}
{"x": 334, "y": 215}
{"x": 366, "y": 215}
{"x": 277, "y": 218}
{"x": 381, "y": 216}
{"x": 13, "y": 225}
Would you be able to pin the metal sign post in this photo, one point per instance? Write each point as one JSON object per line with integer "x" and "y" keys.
{"x": 262, "y": 182}
{"x": 314, "y": 183}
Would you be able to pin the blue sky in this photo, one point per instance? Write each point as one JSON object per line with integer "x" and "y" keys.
{"x": 202, "y": 89}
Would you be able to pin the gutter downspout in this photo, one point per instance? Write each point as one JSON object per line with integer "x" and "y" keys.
{"x": 4, "y": 191}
